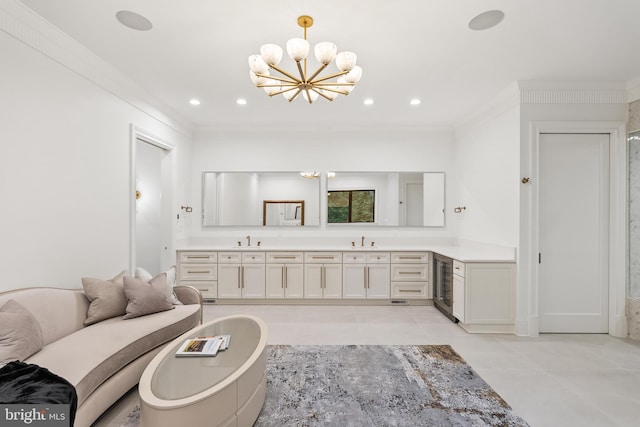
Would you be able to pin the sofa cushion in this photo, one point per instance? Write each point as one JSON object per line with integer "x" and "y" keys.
{"x": 20, "y": 333}
{"x": 93, "y": 354}
{"x": 145, "y": 276}
{"x": 107, "y": 298}
{"x": 146, "y": 297}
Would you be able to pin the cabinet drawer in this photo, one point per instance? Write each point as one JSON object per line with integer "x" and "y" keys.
{"x": 409, "y": 272}
{"x": 458, "y": 268}
{"x": 208, "y": 289}
{"x": 354, "y": 258}
{"x": 253, "y": 257}
{"x": 378, "y": 258}
{"x": 323, "y": 257}
{"x": 229, "y": 257}
{"x": 198, "y": 272}
{"x": 409, "y": 290}
{"x": 284, "y": 257}
{"x": 410, "y": 257}
{"x": 197, "y": 257}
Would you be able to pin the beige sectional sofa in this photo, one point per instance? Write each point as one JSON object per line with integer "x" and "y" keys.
{"x": 105, "y": 359}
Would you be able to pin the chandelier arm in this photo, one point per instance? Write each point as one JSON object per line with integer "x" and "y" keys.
{"x": 281, "y": 79}
{"x": 341, "y": 73}
{"x": 295, "y": 95}
{"x": 283, "y": 91}
{"x": 309, "y": 96}
{"x": 303, "y": 76}
{"x": 322, "y": 94}
{"x": 322, "y": 67}
{"x": 283, "y": 72}
{"x": 329, "y": 89}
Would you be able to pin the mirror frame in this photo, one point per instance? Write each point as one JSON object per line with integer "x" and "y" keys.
{"x": 265, "y": 203}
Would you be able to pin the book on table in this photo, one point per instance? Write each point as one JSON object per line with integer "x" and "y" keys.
{"x": 201, "y": 346}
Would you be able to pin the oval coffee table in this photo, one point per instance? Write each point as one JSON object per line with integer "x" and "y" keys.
{"x": 226, "y": 389}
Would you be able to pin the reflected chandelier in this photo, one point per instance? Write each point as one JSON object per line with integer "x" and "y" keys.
{"x": 311, "y": 86}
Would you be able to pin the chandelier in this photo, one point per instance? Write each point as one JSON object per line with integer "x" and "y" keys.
{"x": 310, "y": 85}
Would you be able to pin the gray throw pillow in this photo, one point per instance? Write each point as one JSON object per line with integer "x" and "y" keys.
{"x": 146, "y": 297}
{"x": 145, "y": 276}
{"x": 106, "y": 296}
{"x": 20, "y": 333}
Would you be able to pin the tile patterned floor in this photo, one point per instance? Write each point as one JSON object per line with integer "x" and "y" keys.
{"x": 552, "y": 380}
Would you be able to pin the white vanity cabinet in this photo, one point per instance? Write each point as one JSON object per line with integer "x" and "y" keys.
{"x": 484, "y": 296}
{"x": 284, "y": 275}
{"x": 200, "y": 270}
{"x": 241, "y": 274}
{"x": 323, "y": 275}
{"x": 366, "y": 275}
{"x": 410, "y": 275}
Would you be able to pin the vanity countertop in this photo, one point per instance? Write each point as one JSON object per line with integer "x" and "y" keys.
{"x": 462, "y": 251}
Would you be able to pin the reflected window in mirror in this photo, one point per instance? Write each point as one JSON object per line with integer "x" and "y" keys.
{"x": 351, "y": 206}
{"x": 402, "y": 199}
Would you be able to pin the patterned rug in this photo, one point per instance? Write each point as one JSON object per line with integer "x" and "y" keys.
{"x": 360, "y": 385}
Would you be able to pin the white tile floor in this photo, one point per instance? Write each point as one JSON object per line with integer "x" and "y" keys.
{"x": 552, "y": 380}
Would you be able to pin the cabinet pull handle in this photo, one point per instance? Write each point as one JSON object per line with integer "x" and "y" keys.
{"x": 409, "y": 257}
{"x": 284, "y": 277}
{"x": 323, "y": 257}
{"x": 366, "y": 277}
{"x": 284, "y": 257}
{"x": 197, "y": 256}
{"x": 204, "y": 290}
{"x": 322, "y": 277}
{"x": 409, "y": 272}
{"x": 410, "y": 290}
{"x": 239, "y": 277}
{"x": 198, "y": 272}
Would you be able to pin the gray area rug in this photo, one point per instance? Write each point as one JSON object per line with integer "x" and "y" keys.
{"x": 360, "y": 385}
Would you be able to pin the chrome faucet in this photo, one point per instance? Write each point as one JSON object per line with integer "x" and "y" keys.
{"x": 362, "y": 241}
{"x": 248, "y": 240}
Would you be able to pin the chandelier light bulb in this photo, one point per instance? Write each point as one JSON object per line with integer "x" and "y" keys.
{"x": 298, "y": 49}
{"x": 310, "y": 81}
{"x": 271, "y": 54}
{"x": 345, "y": 61}
{"x": 325, "y": 52}
{"x": 257, "y": 64}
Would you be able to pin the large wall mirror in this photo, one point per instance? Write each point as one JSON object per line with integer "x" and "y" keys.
{"x": 401, "y": 199}
{"x": 284, "y": 199}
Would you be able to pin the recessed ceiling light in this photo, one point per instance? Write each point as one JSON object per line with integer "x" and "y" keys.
{"x": 368, "y": 101}
{"x": 486, "y": 20}
{"x": 241, "y": 101}
{"x": 194, "y": 102}
{"x": 133, "y": 20}
{"x": 415, "y": 101}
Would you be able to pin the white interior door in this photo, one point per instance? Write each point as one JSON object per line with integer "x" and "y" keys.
{"x": 414, "y": 203}
{"x": 573, "y": 233}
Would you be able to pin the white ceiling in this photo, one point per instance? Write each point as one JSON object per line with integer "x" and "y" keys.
{"x": 407, "y": 48}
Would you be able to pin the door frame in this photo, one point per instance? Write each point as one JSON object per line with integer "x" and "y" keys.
{"x": 528, "y": 288}
{"x": 168, "y": 169}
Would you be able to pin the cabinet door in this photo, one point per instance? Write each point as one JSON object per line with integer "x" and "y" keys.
{"x": 275, "y": 280}
{"x": 229, "y": 285}
{"x": 458, "y": 297}
{"x": 353, "y": 281}
{"x": 313, "y": 275}
{"x": 293, "y": 281}
{"x": 332, "y": 281}
{"x": 378, "y": 281}
{"x": 253, "y": 281}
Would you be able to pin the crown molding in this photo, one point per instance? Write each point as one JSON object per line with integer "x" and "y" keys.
{"x": 572, "y": 92}
{"x": 26, "y": 26}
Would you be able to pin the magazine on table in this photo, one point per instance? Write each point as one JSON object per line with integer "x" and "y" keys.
{"x": 202, "y": 346}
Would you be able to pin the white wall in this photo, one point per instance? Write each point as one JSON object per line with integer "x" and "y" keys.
{"x": 64, "y": 168}
{"x": 487, "y": 168}
{"x": 320, "y": 150}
